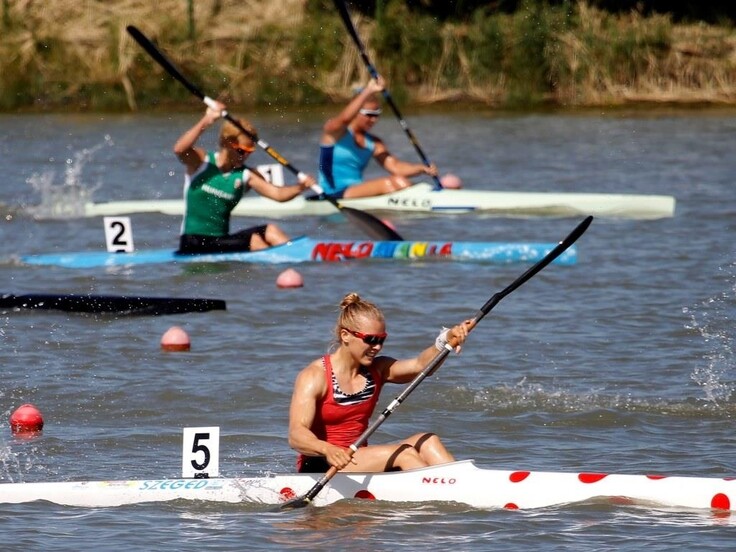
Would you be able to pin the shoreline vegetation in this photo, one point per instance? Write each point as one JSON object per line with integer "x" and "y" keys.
{"x": 75, "y": 55}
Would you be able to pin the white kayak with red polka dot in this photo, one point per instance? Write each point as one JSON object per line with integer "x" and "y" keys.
{"x": 457, "y": 482}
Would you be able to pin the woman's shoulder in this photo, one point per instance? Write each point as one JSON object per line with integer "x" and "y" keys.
{"x": 314, "y": 370}
{"x": 312, "y": 377}
{"x": 383, "y": 364}
{"x": 375, "y": 141}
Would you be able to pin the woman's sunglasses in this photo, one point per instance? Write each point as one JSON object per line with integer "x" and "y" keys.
{"x": 369, "y": 339}
{"x": 370, "y": 112}
{"x": 240, "y": 148}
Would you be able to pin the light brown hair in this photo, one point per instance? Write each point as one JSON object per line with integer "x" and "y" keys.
{"x": 231, "y": 133}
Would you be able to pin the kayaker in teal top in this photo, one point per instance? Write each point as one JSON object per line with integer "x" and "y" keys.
{"x": 214, "y": 184}
{"x": 346, "y": 148}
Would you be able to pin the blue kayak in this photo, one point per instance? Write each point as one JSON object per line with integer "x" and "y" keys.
{"x": 305, "y": 249}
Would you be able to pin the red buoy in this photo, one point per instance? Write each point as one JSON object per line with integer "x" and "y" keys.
{"x": 175, "y": 339}
{"x": 26, "y": 419}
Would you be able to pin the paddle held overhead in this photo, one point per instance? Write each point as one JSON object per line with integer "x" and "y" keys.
{"x": 373, "y": 226}
{"x": 345, "y": 15}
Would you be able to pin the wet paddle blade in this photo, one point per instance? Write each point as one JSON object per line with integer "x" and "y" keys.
{"x": 294, "y": 504}
{"x": 375, "y": 228}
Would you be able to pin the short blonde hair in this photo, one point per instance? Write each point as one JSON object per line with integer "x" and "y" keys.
{"x": 352, "y": 307}
{"x": 229, "y": 132}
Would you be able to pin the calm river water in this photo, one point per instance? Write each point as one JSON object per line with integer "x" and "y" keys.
{"x": 622, "y": 363}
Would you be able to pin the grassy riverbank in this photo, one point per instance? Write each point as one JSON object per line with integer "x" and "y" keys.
{"x": 75, "y": 54}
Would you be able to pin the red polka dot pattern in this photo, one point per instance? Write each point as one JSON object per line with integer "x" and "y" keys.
{"x": 591, "y": 477}
{"x": 287, "y": 493}
{"x": 720, "y": 502}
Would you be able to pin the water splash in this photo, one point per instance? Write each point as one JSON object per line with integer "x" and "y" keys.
{"x": 596, "y": 406}
{"x": 66, "y": 200}
{"x": 713, "y": 321}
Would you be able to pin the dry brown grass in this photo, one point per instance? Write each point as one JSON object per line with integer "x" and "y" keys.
{"x": 71, "y": 43}
{"x": 697, "y": 65}
{"x": 69, "y": 52}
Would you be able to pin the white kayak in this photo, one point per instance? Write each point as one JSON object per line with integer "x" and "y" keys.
{"x": 422, "y": 198}
{"x": 457, "y": 482}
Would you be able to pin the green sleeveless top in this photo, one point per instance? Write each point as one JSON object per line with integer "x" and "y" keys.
{"x": 209, "y": 197}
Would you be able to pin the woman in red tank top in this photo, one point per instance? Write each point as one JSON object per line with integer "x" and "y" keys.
{"x": 335, "y": 396}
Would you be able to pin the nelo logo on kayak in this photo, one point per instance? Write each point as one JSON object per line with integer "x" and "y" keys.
{"x": 340, "y": 251}
{"x": 414, "y": 203}
{"x": 439, "y": 481}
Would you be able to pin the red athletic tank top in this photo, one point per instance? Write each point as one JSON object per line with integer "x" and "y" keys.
{"x": 341, "y": 419}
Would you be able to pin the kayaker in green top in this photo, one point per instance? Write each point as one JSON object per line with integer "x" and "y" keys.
{"x": 214, "y": 184}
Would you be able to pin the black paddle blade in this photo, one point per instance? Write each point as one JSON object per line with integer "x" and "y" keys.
{"x": 162, "y": 60}
{"x": 306, "y": 498}
{"x": 294, "y": 504}
{"x": 109, "y": 304}
{"x": 537, "y": 267}
{"x": 375, "y": 228}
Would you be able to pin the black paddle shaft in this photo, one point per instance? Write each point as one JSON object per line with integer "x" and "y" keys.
{"x": 437, "y": 361}
{"x": 373, "y": 226}
{"x": 345, "y": 15}
{"x": 171, "y": 69}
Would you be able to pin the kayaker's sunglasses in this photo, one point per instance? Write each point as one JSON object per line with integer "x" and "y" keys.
{"x": 369, "y": 339}
{"x": 371, "y": 112}
{"x": 240, "y": 148}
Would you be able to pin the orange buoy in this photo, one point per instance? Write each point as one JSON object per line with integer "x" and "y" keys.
{"x": 451, "y": 182}
{"x": 289, "y": 278}
{"x": 175, "y": 339}
{"x": 26, "y": 419}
